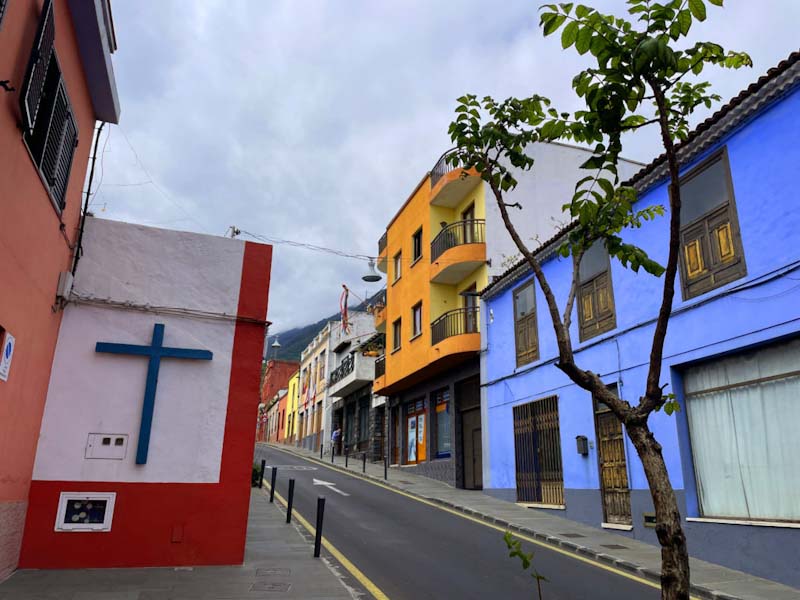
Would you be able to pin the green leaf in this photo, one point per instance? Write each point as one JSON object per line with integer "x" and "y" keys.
{"x": 553, "y": 23}
{"x": 570, "y": 34}
{"x": 685, "y": 21}
{"x": 584, "y": 40}
{"x": 716, "y": 2}
{"x": 582, "y": 11}
{"x": 698, "y": 9}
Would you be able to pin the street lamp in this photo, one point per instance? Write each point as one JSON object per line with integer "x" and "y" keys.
{"x": 372, "y": 275}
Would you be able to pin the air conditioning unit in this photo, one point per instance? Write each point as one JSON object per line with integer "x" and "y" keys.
{"x": 64, "y": 286}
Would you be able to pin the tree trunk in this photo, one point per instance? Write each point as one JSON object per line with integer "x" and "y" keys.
{"x": 674, "y": 555}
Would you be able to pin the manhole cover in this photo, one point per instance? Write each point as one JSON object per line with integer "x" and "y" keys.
{"x": 271, "y": 587}
{"x": 614, "y": 546}
{"x": 571, "y": 535}
{"x": 264, "y": 572}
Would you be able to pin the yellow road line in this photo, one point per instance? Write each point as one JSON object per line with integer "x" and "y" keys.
{"x": 521, "y": 536}
{"x": 365, "y": 581}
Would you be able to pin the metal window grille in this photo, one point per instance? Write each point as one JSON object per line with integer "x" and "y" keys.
{"x": 537, "y": 445}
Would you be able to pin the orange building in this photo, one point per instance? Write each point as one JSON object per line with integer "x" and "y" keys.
{"x": 434, "y": 254}
{"x": 55, "y": 67}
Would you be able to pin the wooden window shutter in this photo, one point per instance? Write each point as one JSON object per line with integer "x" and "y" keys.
{"x": 33, "y": 85}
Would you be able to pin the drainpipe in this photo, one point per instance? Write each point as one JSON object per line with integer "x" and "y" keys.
{"x": 79, "y": 245}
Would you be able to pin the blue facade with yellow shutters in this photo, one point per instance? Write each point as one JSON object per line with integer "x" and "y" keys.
{"x": 731, "y": 356}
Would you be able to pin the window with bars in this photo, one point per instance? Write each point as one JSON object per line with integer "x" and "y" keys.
{"x": 711, "y": 247}
{"x": 525, "y": 331}
{"x": 596, "y": 313}
{"x": 51, "y": 132}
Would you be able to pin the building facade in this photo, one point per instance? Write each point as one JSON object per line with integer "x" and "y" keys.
{"x": 148, "y": 424}
{"x": 292, "y": 398}
{"x": 313, "y": 381}
{"x": 731, "y": 354}
{"x": 55, "y": 59}
{"x": 443, "y": 247}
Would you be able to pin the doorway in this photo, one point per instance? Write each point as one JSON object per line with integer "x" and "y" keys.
{"x": 537, "y": 449}
{"x": 612, "y": 464}
{"x": 470, "y": 296}
{"x": 468, "y": 219}
{"x": 468, "y": 401}
{"x": 416, "y": 432}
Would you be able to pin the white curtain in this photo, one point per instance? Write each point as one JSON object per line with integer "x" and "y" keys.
{"x": 746, "y": 438}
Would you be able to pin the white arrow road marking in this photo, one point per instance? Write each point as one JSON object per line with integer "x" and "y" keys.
{"x": 330, "y": 486}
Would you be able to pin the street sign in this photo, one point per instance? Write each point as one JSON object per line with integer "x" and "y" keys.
{"x": 6, "y": 356}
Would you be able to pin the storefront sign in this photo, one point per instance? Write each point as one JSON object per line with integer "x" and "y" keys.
{"x": 7, "y": 355}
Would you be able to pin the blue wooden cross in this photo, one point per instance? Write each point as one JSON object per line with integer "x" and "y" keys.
{"x": 155, "y": 352}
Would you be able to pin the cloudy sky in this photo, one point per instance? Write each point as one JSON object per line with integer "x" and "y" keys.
{"x": 313, "y": 120}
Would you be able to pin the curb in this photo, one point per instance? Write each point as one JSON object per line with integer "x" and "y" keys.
{"x": 699, "y": 591}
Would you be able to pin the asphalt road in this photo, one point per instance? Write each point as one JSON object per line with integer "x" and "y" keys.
{"x": 411, "y": 550}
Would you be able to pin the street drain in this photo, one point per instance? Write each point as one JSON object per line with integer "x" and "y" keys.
{"x": 264, "y": 572}
{"x": 572, "y": 535}
{"x": 614, "y": 546}
{"x": 271, "y": 587}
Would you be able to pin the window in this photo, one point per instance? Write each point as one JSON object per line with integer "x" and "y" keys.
{"x": 743, "y": 412}
{"x": 51, "y": 133}
{"x": 711, "y": 247}
{"x": 595, "y": 299}
{"x": 416, "y": 245}
{"x": 363, "y": 419}
{"x": 398, "y": 264}
{"x": 2, "y": 11}
{"x": 525, "y": 333}
{"x": 396, "y": 334}
{"x": 441, "y": 402}
{"x": 85, "y": 511}
{"x": 321, "y": 366}
{"x": 416, "y": 320}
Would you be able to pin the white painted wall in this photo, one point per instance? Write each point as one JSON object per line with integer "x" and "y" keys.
{"x": 103, "y": 393}
{"x": 542, "y": 192}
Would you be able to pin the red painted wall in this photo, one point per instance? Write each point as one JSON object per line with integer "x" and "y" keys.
{"x": 209, "y": 520}
{"x": 276, "y": 377}
{"x": 33, "y": 250}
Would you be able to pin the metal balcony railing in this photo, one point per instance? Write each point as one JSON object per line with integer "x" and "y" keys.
{"x": 343, "y": 370}
{"x": 380, "y": 366}
{"x": 455, "y": 234}
{"x": 455, "y": 322}
{"x": 382, "y": 243}
{"x": 442, "y": 167}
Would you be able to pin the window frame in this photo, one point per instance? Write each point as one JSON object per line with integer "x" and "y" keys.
{"x": 723, "y": 272}
{"x": 521, "y": 357}
{"x": 108, "y": 517}
{"x": 397, "y": 265}
{"x": 608, "y": 323}
{"x": 397, "y": 334}
{"x": 416, "y": 244}
{"x": 414, "y": 332}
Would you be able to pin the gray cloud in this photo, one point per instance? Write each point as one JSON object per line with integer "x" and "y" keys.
{"x": 314, "y": 120}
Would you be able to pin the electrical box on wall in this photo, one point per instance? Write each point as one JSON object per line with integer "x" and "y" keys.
{"x": 107, "y": 445}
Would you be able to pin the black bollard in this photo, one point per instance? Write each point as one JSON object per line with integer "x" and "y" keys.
{"x": 333, "y": 448}
{"x": 261, "y": 479}
{"x": 290, "y": 501}
{"x": 320, "y": 514}
{"x": 272, "y": 485}
{"x": 364, "y": 462}
{"x": 346, "y": 455}
{"x": 320, "y": 451}
{"x": 386, "y": 467}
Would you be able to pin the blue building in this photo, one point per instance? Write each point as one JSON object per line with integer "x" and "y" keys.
{"x": 732, "y": 353}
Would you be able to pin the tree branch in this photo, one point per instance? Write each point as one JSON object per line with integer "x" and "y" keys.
{"x": 653, "y": 394}
{"x": 573, "y": 288}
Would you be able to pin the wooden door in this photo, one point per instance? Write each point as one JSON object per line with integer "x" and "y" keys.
{"x": 422, "y": 434}
{"x": 537, "y": 445}
{"x": 473, "y": 460}
{"x": 616, "y": 495}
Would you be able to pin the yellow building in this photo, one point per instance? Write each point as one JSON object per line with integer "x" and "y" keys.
{"x": 292, "y": 401}
{"x": 434, "y": 255}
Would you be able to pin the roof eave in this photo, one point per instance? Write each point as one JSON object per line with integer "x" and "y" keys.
{"x": 96, "y": 41}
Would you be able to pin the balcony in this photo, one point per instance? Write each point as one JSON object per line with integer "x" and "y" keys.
{"x": 450, "y": 183}
{"x": 382, "y": 262}
{"x": 458, "y": 322}
{"x": 458, "y": 250}
{"x": 355, "y": 371}
{"x": 380, "y": 366}
{"x": 379, "y": 313}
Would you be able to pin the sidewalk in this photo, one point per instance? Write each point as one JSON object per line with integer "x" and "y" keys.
{"x": 708, "y": 580}
{"x": 278, "y": 564}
